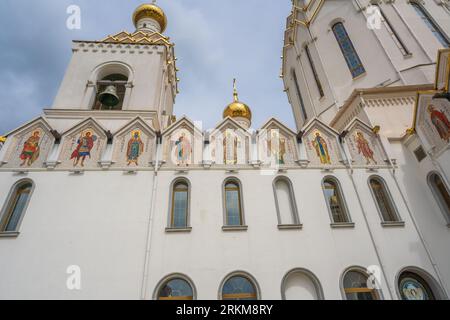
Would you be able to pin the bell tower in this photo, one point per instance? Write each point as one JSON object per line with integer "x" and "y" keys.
{"x": 327, "y": 56}
{"x": 124, "y": 73}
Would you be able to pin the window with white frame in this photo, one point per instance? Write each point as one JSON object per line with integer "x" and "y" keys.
{"x": 15, "y": 207}
{"x": 285, "y": 202}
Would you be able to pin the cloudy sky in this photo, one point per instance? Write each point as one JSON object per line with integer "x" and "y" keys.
{"x": 216, "y": 40}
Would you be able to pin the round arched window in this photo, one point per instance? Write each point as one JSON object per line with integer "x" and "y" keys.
{"x": 239, "y": 288}
{"x": 176, "y": 289}
{"x": 414, "y": 287}
{"x": 356, "y": 286}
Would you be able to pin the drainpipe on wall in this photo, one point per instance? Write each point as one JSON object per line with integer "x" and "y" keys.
{"x": 414, "y": 221}
{"x": 144, "y": 285}
{"x": 349, "y": 167}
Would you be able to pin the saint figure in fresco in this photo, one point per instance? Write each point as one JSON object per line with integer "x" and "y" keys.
{"x": 183, "y": 150}
{"x": 83, "y": 149}
{"x": 230, "y": 149}
{"x": 364, "y": 147}
{"x": 135, "y": 148}
{"x": 321, "y": 146}
{"x": 277, "y": 149}
{"x": 440, "y": 122}
{"x": 30, "y": 151}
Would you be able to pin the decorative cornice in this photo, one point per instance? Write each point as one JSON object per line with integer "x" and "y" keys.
{"x": 138, "y": 37}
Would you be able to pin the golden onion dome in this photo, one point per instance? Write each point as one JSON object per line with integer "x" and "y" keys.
{"x": 151, "y": 11}
{"x": 237, "y": 109}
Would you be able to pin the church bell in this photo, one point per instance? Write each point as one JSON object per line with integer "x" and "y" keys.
{"x": 109, "y": 97}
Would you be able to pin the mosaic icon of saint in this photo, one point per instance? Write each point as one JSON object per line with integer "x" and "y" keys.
{"x": 183, "y": 150}
{"x": 277, "y": 149}
{"x": 83, "y": 149}
{"x": 413, "y": 292}
{"x": 321, "y": 146}
{"x": 440, "y": 122}
{"x": 230, "y": 149}
{"x": 364, "y": 147}
{"x": 31, "y": 149}
{"x": 135, "y": 148}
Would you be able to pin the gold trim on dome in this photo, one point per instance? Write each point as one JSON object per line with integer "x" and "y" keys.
{"x": 138, "y": 37}
{"x": 2, "y": 139}
{"x": 237, "y": 109}
{"x": 150, "y": 11}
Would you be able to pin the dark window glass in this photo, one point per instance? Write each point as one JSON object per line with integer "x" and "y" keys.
{"x": 176, "y": 289}
{"x": 300, "y": 98}
{"x": 355, "y": 287}
{"x": 239, "y": 288}
{"x": 348, "y": 50}
{"x": 180, "y": 204}
{"x": 441, "y": 192}
{"x": 335, "y": 202}
{"x": 383, "y": 201}
{"x": 16, "y": 207}
{"x": 233, "y": 205}
{"x": 420, "y": 154}
{"x": 314, "y": 71}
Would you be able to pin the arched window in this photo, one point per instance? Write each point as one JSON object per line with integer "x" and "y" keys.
{"x": 179, "y": 212}
{"x": 314, "y": 71}
{"x": 431, "y": 24}
{"x": 15, "y": 207}
{"x": 348, "y": 50}
{"x": 383, "y": 200}
{"x": 299, "y": 95}
{"x": 414, "y": 287}
{"x": 239, "y": 287}
{"x": 356, "y": 288}
{"x": 301, "y": 284}
{"x": 441, "y": 193}
{"x": 233, "y": 204}
{"x": 285, "y": 202}
{"x": 176, "y": 289}
{"x": 335, "y": 201}
{"x": 117, "y": 81}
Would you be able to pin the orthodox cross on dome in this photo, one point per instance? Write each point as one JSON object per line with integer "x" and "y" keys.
{"x": 235, "y": 92}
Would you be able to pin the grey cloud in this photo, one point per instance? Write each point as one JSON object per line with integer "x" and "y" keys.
{"x": 215, "y": 41}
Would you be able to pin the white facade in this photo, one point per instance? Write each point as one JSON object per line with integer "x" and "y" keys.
{"x": 112, "y": 213}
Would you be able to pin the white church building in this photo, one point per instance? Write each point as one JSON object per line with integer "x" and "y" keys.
{"x": 108, "y": 195}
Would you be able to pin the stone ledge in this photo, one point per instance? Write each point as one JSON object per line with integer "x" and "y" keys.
{"x": 9, "y": 234}
{"x": 290, "y": 226}
{"x": 342, "y": 225}
{"x": 179, "y": 230}
{"x": 400, "y": 224}
{"x": 234, "y": 228}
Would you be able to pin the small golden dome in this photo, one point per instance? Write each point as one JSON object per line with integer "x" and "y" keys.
{"x": 152, "y": 11}
{"x": 237, "y": 109}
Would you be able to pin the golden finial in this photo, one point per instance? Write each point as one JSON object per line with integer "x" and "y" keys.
{"x": 237, "y": 109}
{"x": 235, "y": 92}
